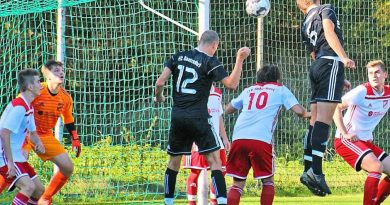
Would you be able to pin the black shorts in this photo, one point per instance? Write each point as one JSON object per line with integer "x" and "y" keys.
{"x": 326, "y": 80}
{"x": 185, "y": 131}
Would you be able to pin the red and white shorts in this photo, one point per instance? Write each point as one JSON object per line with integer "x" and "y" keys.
{"x": 247, "y": 153}
{"x": 198, "y": 161}
{"x": 22, "y": 169}
{"x": 353, "y": 152}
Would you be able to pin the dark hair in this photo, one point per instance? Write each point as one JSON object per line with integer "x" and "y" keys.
{"x": 268, "y": 73}
{"x": 209, "y": 37}
{"x": 50, "y": 65}
{"x": 25, "y": 78}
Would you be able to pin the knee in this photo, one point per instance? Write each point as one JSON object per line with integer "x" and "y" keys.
{"x": 27, "y": 188}
{"x": 174, "y": 163}
{"x": 375, "y": 166}
{"x": 67, "y": 169}
{"x": 39, "y": 189}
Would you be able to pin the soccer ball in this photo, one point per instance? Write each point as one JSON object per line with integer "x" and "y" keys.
{"x": 258, "y": 8}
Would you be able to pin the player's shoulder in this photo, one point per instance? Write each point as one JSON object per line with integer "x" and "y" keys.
{"x": 387, "y": 90}
{"x": 19, "y": 103}
{"x": 65, "y": 93}
{"x": 324, "y": 7}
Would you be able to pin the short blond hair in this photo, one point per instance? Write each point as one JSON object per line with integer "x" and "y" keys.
{"x": 375, "y": 63}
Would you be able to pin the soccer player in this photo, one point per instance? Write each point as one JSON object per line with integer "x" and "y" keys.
{"x": 321, "y": 33}
{"x": 252, "y": 145}
{"x": 16, "y": 122}
{"x": 197, "y": 180}
{"x": 367, "y": 104}
{"x": 193, "y": 74}
{"x": 54, "y": 102}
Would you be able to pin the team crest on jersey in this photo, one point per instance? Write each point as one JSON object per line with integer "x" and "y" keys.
{"x": 385, "y": 104}
{"x": 41, "y": 104}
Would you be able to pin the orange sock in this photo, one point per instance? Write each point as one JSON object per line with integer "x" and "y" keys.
{"x": 56, "y": 183}
{"x": 3, "y": 184}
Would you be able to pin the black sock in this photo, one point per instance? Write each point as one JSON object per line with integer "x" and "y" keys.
{"x": 219, "y": 183}
{"x": 170, "y": 183}
{"x": 319, "y": 139}
{"x": 307, "y": 156}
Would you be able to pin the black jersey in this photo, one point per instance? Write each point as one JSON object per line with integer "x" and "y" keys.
{"x": 312, "y": 30}
{"x": 193, "y": 73}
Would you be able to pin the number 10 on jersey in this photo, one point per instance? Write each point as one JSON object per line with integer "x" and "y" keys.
{"x": 261, "y": 100}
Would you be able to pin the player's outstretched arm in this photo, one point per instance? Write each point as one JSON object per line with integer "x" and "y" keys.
{"x": 39, "y": 148}
{"x": 300, "y": 111}
{"x": 335, "y": 44}
{"x": 5, "y": 135}
{"x": 76, "y": 145}
{"x": 232, "y": 81}
{"x": 159, "y": 87}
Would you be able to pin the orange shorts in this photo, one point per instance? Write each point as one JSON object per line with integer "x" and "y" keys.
{"x": 52, "y": 146}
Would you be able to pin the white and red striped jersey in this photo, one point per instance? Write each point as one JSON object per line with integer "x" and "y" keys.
{"x": 366, "y": 108}
{"x": 18, "y": 117}
{"x": 214, "y": 106}
{"x": 260, "y": 105}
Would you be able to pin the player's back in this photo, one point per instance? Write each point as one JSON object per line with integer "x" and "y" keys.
{"x": 261, "y": 104}
{"x": 313, "y": 31}
{"x": 193, "y": 73}
{"x": 49, "y": 107}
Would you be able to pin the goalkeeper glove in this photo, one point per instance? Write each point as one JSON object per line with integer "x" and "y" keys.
{"x": 76, "y": 146}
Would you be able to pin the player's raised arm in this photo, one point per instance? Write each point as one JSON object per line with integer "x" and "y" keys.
{"x": 232, "y": 81}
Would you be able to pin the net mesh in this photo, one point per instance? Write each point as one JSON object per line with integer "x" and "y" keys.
{"x": 114, "y": 52}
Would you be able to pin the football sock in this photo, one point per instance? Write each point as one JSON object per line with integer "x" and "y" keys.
{"x": 267, "y": 194}
{"x": 56, "y": 183}
{"x": 319, "y": 139}
{"x": 219, "y": 184}
{"x": 234, "y": 195}
{"x": 307, "y": 156}
{"x": 169, "y": 185}
{"x": 213, "y": 197}
{"x": 371, "y": 188}
{"x": 383, "y": 190}
{"x": 192, "y": 188}
{"x": 20, "y": 199}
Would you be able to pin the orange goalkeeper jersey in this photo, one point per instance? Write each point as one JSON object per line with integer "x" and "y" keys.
{"x": 48, "y": 108}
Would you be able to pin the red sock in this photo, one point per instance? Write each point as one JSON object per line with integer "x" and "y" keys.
{"x": 32, "y": 201}
{"x": 234, "y": 195}
{"x": 267, "y": 194}
{"x": 371, "y": 188}
{"x": 383, "y": 190}
{"x": 56, "y": 183}
{"x": 20, "y": 199}
{"x": 192, "y": 186}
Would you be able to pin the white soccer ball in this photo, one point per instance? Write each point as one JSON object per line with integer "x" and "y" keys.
{"x": 258, "y": 8}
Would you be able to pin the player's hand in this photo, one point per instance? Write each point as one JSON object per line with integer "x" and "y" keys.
{"x": 313, "y": 55}
{"x": 243, "y": 53}
{"x": 226, "y": 143}
{"x": 76, "y": 146}
{"x": 347, "y": 85}
{"x": 307, "y": 115}
{"x": 348, "y": 63}
{"x": 39, "y": 148}
{"x": 351, "y": 137}
{"x": 159, "y": 99}
{"x": 11, "y": 170}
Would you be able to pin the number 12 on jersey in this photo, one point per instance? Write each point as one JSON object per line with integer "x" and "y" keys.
{"x": 261, "y": 100}
{"x": 187, "y": 81}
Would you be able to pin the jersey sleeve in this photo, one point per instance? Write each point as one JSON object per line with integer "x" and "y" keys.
{"x": 355, "y": 96}
{"x": 237, "y": 103}
{"x": 288, "y": 99}
{"x": 68, "y": 109}
{"x": 328, "y": 12}
{"x": 170, "y": 63}
{"x": 216, "y": 70}
{"x": 14, "y": 119}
